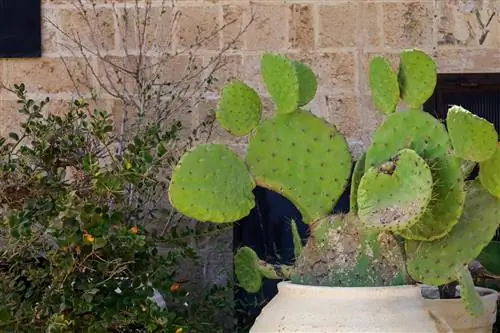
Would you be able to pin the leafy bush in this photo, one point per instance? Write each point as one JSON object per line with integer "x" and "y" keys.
{"x": 76, "y": 253}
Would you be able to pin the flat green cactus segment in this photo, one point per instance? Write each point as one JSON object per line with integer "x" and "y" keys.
{"x": 434, "y": 263}
{"x": 425, "y": 135}
{"x": 394, "y": 195}
{"x": 240, "y": 109}
{"x": 489, "y": 174}
{"x": 468, "y": 292}
{"x": 282, "y": 82}
{"x": 303, "y": 158}
{"x": 359, "y": 170}
{"x": 247, "y": 270}
{"x": 384, "y": 85}
{"x": 473, "y": 138}
{"x": 344, "y": 254}
{"x": 308, "y": 84}
{"x": 297, "y": 241}
{"x": 467, "y": 167}
{"x": 211, "y": 183}
{"x": 417, "y": 77}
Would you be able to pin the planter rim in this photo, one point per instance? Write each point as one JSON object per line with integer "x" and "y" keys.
{"x": 410, "y": 290}
{"x": 484, "y": 293}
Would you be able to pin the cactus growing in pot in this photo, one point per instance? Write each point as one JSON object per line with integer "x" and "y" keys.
{"x": 413, "y": 216}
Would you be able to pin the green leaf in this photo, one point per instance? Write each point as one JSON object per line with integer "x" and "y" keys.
{"x": 161, "y": 150}
{"x": 14, "y": 136}
{"x": 99, "y": 243}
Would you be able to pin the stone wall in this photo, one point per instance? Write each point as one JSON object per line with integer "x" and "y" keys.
{"x": 336, "y": 37}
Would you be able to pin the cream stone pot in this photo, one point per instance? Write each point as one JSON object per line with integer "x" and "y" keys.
{"x": 453, "y": 311}
{"x": 313, "y": 309}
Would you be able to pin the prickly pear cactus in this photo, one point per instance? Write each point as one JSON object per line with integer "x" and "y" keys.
{"x": 340, "y": 253}
{"x": 384, "y": 85}
{"x": 250, "y": 270}
{"x": 358, "y": 172}
{"x": 282, "y": 82}
{"x": 211, "y": 183}
{"x": 240, "y": 109}
{"x": 307, "y": 83}
{"x": 303, "y": 158}
{"x": 417, "y": 77}
{"x": 437, "y": 262}
{"x": 489, "y": 173}
{"x": 424, "y": 134}
{"x": 473, "y": 138}
{"x": 394, "y": 195}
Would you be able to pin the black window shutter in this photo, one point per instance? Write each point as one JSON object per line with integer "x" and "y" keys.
{"x": 20, "y": 29}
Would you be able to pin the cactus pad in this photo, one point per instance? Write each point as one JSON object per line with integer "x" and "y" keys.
{"x": 384, "y": 85}
{"x": 425, "y": 135}
{"x": 307, "y": 83}
{"x": 359, "y": 170}
{"x": 340, "y": 253}
{"x": 436, "y": 262}
{"x": 468, "y": 293}
{"x": 240, "y": 109}
{"x": 303, "y": 158}
{"x": 210, "y": 183}
{"x": 247, "y": 270}
{"x": 282, "y": 82}
{"x": 489, "y": 175}
{"x": 394, "y": 195}
{"x": 417, "y": 77}
{"x": 473, "y": 138}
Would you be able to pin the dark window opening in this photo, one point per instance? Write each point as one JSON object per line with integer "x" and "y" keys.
{"x": 478, "y": 93}
{"x": 20, "y": 29}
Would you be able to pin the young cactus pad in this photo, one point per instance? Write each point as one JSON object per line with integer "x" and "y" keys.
{"x": 303, "y": 158}
{"x": 341, "y": 253}
{"x": 417, "y": 77}
{"x": 240, "y": 109}
{"x": 211, "y": 183}
{"x": 425, "y": 135}
{"x": 384, "y": 85}
{"x": 468, "y": 293}
{"x": 473, "y": 138}
{"x": 250, "y": 270}
{"x": 290, "y": 83}
{"x": 307, "y": 82}
{"x": 394, "y": 195}
{"x": 489, "y": 174}
{"x": 435, "y": 262}
{"x": 359, "y": 170}
{"x": 282, "y": 82}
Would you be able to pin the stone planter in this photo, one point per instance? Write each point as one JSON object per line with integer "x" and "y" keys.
{"x": 453, "y": 311}
{"x": 311, "y": 309}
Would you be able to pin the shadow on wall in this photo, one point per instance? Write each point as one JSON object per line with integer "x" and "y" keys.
{"x": 267, "y": 231}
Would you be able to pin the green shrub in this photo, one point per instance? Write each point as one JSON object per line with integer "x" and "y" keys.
{"x": 76, "y": 250}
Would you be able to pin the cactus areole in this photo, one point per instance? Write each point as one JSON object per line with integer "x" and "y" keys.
{"x": 413, "y": 216}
